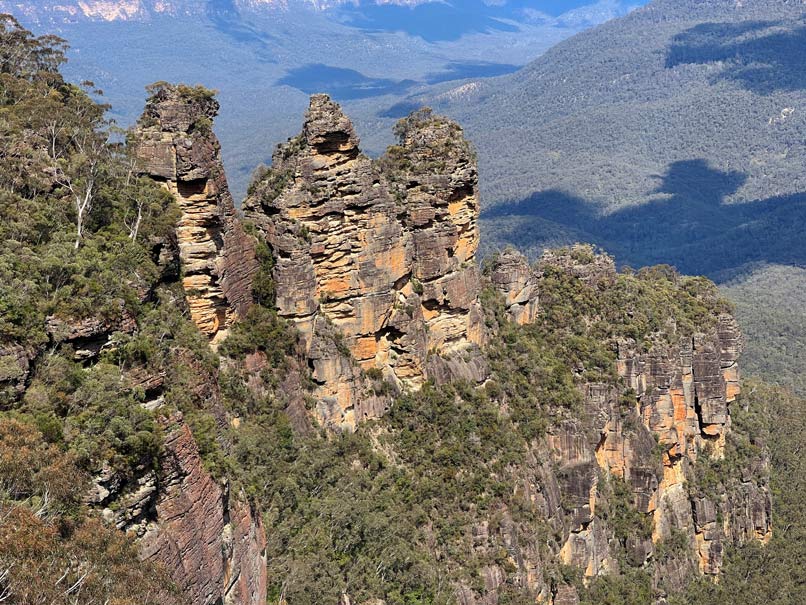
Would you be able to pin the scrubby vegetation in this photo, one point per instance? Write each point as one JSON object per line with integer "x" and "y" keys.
{"x": 683, "y": 144}
{"x": 51, "y": 550}
{"x": 771, "y": 307}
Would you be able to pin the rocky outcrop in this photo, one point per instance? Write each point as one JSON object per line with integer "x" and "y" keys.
{"x": 433, "y": 170}
{"x": 89, "y": 335}
{"x": 175, "y": 145}
{"x": 211, "y": 542}
{"x": 670, "y": 417}
{"x": 374, "y": 261}
{"x": 15, "y": 369}
{"x": 683, "y": 394}
{"x": 515, "y": 280}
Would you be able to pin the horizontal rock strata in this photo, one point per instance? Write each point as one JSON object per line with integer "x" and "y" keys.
{"x": 375, "y": 261}
{"x": 175, "y": 145}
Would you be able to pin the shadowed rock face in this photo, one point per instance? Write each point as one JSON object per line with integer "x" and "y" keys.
{"x": 213, "y": 545}
{"x": 175, "y": 145}
{"x": 384, "y": 252}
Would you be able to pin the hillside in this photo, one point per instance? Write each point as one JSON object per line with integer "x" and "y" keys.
{"x": 328, "y": 401}
{"x": 691, "y": 108}
{"x": 770, "y": 303}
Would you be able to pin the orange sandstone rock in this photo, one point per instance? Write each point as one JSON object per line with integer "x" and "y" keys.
{"x": 175, "y": 145}
{"x": 375, "y": 261}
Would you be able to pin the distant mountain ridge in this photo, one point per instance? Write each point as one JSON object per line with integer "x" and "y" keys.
{"x": 66, "y": 11}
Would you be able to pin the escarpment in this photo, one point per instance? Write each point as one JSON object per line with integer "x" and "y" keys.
{"x": 645, "y": 436}
{"x": 375, "y": 265}
{"x": 379, "y": 256}
{"x": 538, "y": 431}
{"x": 175, "y": 145}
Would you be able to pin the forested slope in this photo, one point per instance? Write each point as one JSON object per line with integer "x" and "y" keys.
{"x": 674, "y": 134}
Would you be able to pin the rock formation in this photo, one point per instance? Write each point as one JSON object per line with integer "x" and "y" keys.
{"x": 211, "y": 543}
{"x": 673, "y": 409}
{"x": 683, "y": 393}
{"x": 514, "y": 279}
{"x": 175, "y": 145}
{"x": 379, "y": 256}
{"x": 375, "y": 265}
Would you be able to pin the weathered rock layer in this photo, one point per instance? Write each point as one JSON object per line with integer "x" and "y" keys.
{"x": 213, "y": 545}
{"x": 175, "y": 145}
{"x": 672, "y": 410}
{"x": 382, "y": 251}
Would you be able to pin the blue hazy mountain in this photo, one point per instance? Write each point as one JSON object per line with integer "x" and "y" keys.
{"x": 439, "y": 21}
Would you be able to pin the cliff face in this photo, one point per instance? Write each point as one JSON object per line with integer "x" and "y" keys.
{"x": 211, "y": 543}
{"x": 384, "y": 252}
{"x": 208, "y": 538}
{"x": 175, "y": 145}
{"x": 652, "y": 434}
{"x": 589, "y": 423}
{"x": 214, "y": 545}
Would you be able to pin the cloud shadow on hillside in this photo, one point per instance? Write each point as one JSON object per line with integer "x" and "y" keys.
{"x": 226, "y": 18}
{"x": 687, "y": 223}
{"x": 341, "y": 83}
{"x": 761, "y": 56}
